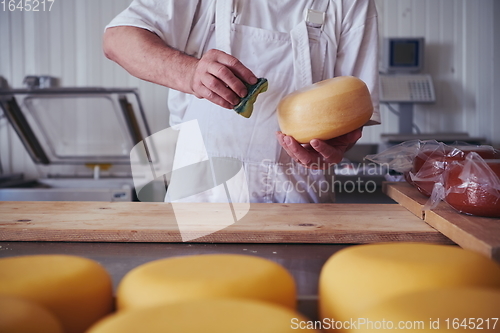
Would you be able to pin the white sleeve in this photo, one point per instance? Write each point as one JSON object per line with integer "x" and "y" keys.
{"x": 171, "y": 20}
{"x": 357, "y": 53}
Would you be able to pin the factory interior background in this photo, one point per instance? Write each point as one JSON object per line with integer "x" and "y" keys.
{"x": 462, "y": 51}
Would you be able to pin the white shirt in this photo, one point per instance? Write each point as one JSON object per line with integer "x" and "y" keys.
{"x": 351, "y": 26}
{"x": 350, "y": 34}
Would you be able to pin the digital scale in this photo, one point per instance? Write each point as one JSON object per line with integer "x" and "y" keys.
{"x": 414, "y": 88}
{"x": 406, "y": 91}
{"x": 400, "y": 81}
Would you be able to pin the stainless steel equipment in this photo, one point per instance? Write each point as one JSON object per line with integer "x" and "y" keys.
{"x": 80, "y": 140}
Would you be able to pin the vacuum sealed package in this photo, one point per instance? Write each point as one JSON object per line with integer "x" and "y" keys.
{"x": 464, "y": 175}
{"x": 429, "y": 165}
{"x": 433, "y": 158}
{"x": 472, "y": 186}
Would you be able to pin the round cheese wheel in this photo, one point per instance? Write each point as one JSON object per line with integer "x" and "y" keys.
{"x": 206, "y": 276}
{"x": 18, "y": 315}
{"x": 358, "y": 277}
{"x": 326, "y": 109}
{"x": 78, "y": 291}
{"x": 205, "y": 315}
{"x": 438, "y": 310}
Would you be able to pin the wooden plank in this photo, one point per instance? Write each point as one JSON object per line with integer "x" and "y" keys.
{"x": 480, "y": 234}
{"x": 407, "y": 196}
{"x": 264, "y": 223}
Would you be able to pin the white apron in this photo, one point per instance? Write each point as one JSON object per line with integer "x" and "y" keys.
{"x": 284, "y": 59}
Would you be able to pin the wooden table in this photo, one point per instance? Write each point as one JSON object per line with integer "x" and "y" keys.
{"x": 122, "y": 236}
{"x": 480, "y": 234}
{"x": 264, "y": 223}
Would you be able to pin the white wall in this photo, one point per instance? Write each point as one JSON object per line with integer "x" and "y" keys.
{"x": 460, "y": 43}
{"x": 461, "y": 53}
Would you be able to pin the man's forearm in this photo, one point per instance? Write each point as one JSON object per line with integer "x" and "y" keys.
{"x": 144, "y": 55}
{"x": 217, "y": 76}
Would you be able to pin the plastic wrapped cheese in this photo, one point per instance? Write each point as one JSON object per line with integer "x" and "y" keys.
{"x": 432, "y": 161}
{"x": 206, "y": 276}
{"x": 359, "y": 277}
{"x": 472, "y": 186}
{"x": 205, "y": 315}
{"x": 18, "y": 315}
{"x": 78, "y": 291}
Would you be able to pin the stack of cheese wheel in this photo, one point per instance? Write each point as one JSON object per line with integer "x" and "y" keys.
{"x": 358, "y": 278}
{"x": 436, "y": 310}
{"x": 216, "y": 315}
{"x": 22, "y": 316}
{"x": 78, "y": 291}
{"x": 206, "y": 276}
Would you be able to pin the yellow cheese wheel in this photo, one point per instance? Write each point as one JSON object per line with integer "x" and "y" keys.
{"x": 441, "y": 310}
{"x": 18, "y": 315}
{"x": 358, "y": 277}
{"x": 205, "y": 315}
{"x": 206, "y": 276}
{"x": 326, "y": 109}
{"x": 78, "y": 291}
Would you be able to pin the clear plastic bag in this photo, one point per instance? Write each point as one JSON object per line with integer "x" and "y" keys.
{"x": 398, "y": 158}
{"x": 472, "y": 186}
{"x": 432, "y": 161}
{"x": 429, "y": 165}
{"x": 409, "y": 157}
{"x": 432, "y": 167}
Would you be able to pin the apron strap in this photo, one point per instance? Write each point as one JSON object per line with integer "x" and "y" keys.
{"x": 223, "y": 20}
{"x": 314, "y": 18}
{"x": 301, "y": 55}
{"x": 316, "y": 14}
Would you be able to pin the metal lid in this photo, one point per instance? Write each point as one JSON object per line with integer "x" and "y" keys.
{"x": 76, "y": 126}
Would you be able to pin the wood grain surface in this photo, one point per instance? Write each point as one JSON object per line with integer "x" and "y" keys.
{"x": 480, "y": 234}
{"x": 264, "y": 223}
{"x": 407, "y": 196}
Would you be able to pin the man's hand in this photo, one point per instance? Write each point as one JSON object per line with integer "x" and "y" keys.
{"x": 319, "y": 154}
{"x": 218, "y": 78}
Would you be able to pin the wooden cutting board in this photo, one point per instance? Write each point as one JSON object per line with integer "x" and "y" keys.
{"x": 264, "y": 223}
{"x": 480, "y": 234}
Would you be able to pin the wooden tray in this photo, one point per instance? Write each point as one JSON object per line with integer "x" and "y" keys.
{"x": 264, "y": 223}
{"x": 480, "y": 234}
